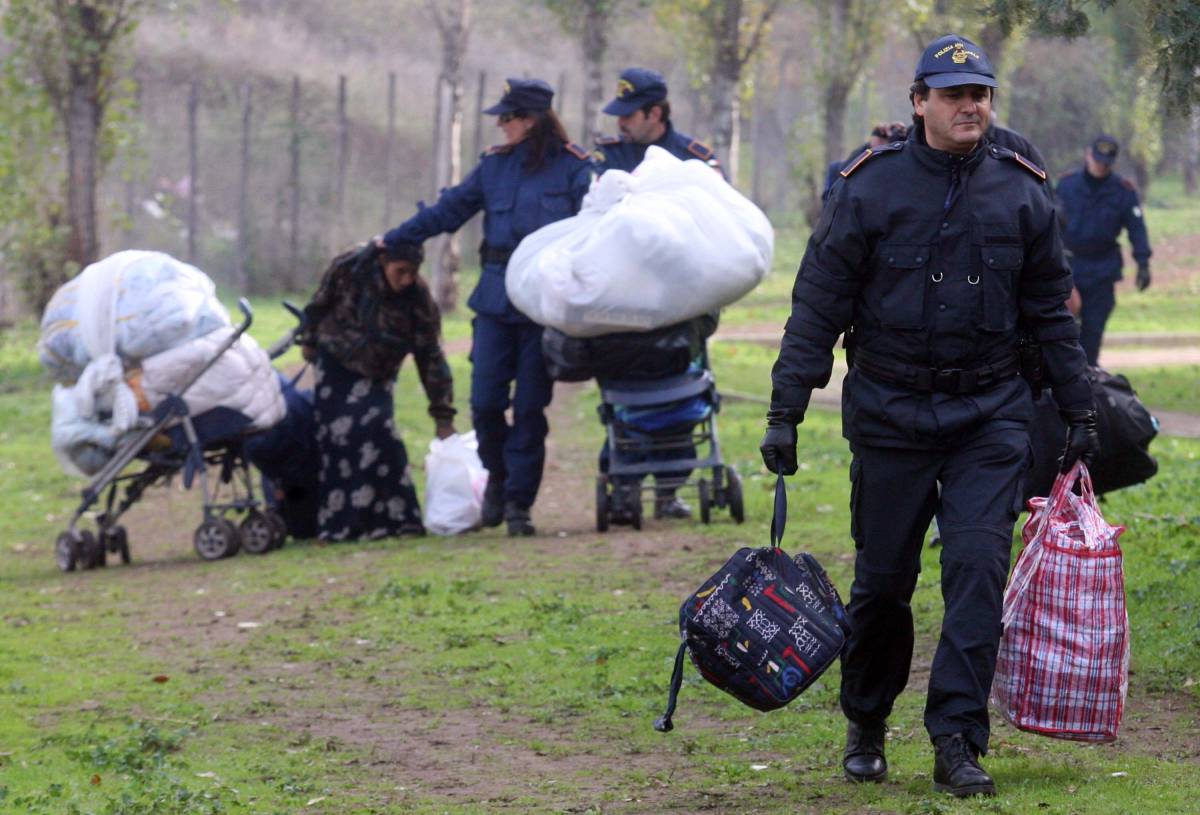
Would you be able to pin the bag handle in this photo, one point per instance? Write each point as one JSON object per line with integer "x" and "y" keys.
{"x": 779, "y": 518}
{"x": 663, "y": 723}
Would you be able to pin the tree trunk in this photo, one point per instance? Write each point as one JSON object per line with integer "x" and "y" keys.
{"x": 454, "y": 27}
{"x": 1192, "y": 153}
{"x": 837, "y": 84}
{"x": 341, "y": 162}
{"x": 84, "y": 114}
{"x": 726, "y": 79}
{"x": 595, "y": 45}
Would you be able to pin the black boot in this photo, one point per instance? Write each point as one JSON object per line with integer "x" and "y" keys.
{"x": 956, "y": 768}
{"x": 493, "y": 503}
{"x": 519, "y": 524}
{"x": 863, "y": 759}
{"x": 668, "y": 505}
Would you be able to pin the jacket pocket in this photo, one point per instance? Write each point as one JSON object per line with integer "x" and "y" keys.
{"x": 1000, "y": 268}
{"x": 902, "y": 278}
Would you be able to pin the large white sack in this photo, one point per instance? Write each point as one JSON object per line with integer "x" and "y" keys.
{"x": 133, "y": 303}
{"x": 242, "y": 378}
{"x": 454, "y": 483}
{"x": 82, "y": 445}
{"x": 668, "y": 242}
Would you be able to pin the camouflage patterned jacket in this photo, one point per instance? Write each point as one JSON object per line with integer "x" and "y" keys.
{"x": 358, "y": 319}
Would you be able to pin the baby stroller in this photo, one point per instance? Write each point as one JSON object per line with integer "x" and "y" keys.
{"x": 175, "y": 442}
{"x": 662, "y": 426}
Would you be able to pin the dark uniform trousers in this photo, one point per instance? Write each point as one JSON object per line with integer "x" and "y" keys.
{"x": 1097, "y": 301}
{"x": 507, "y": 370}
{"x": 894, "y": 495}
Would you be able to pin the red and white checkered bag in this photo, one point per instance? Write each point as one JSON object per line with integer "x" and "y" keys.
{"x": 1063, "y": 666}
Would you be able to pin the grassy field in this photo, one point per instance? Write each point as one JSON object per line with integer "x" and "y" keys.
{"x": 480, "y": 674}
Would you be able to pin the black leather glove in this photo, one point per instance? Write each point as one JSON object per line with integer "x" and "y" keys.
{"x": 1143, "y": 276}
{"x": 778, "y": 446}
{"x": 1082, "y": 440}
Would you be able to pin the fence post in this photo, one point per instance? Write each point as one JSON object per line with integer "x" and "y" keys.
{"x": 294, "y": 183}
{"x": 388, "y": 182}
{"x": 242, "y": 275}
{"x": 193, "y": 104}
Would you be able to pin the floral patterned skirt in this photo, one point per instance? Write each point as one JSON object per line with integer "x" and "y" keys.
{"x": 366, "y": 490}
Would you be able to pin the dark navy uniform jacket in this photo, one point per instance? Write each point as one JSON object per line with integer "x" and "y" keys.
{"x": 1096, "y": 210}
{"x": 932, "y": 258}
{"x": 515, "y": 203}
{"x": 613, "y": 153}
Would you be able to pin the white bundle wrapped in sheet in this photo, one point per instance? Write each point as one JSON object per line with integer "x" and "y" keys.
{"x": 666, "y": 243}
{"x": 143, "y": 310}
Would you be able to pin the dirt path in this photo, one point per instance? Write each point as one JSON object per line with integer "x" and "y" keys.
{"x": 480, "y": 755}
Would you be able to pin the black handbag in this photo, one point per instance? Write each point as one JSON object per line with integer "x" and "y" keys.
{"x": 764, "y": 627}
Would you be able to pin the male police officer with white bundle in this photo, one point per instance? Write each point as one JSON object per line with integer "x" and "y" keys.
{"x": 644, "y": 119}
{"x": 929, "y": 251}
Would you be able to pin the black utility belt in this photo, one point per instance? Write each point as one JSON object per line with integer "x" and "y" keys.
{"x": 950, "y": 380}
{"x": 494, "y": 255}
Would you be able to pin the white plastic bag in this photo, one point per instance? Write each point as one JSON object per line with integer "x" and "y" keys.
{"x": 669, "y": 242}
{"x": 454, "y": 483}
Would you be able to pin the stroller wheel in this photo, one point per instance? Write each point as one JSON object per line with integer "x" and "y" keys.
{"x": 278, "y": 527}
{"x": 215, "y": 538}
{"x": 117, "y": 542}
{"x": 257, "y": 533}
{"x": 94, "y": 555}
{"x": 737, "y": 507}
{"x": 705, "y": 501}
{"x": 601, "y": 504}
{"x": 66, "y": 551}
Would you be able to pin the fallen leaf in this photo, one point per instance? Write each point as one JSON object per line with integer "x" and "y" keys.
{"x": 1118, "y": 775}
{"x": 1187, "y": 683}
{"x": 759, "y": 767}
{"x": 247, "y": 625}
{"x": 160, "y": 678}
{"x": 312, "y": 801}
{"x": 96, "y": 780}
{"x": 209, "y": 774}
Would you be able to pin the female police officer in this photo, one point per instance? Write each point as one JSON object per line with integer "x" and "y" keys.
{"x": 535, "y": 178}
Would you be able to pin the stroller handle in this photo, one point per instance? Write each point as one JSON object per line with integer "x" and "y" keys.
{"x": 281, "y": 345}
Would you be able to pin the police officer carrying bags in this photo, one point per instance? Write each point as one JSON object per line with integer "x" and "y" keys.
{"x": 535, "y": 178}
{"x": 928, "y": 253}
{"x": 1098, "y": 203}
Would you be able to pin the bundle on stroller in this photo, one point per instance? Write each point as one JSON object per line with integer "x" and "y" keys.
{"x": 658, "y": 404}
{"x": 161, "y": 381}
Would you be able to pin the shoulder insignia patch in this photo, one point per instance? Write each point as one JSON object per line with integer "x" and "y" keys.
{"x": 604, "y": 141}
{"x": 1127, "y": 184}
{"x": 857, "y": 161}
{"x": 578, "y": 152}
{"x": 700, "y": 150}
{"x": 1029, "y": 165}
{"x": 495, "y": 149}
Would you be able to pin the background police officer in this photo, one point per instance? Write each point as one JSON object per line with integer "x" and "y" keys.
{"x": 1097, "y": 204}
{"x": 644, "y": 118}
{"x": 929, "y": 251}
{"x": 535, "y": 178}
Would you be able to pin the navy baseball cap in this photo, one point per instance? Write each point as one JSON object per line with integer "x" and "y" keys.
{"x": 953, "y": 60}
{"x": 523, "y": 95}
{"x": 636, "y": 88}
{"x": 1104, "y": 149}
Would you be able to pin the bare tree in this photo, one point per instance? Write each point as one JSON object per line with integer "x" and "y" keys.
{"x": 590, "y": 21}
{"x": 850, "y": 27}
{"x": 729, "y": 34}
{"x": 74, "y": 45}
{"x": 453, "y": 21}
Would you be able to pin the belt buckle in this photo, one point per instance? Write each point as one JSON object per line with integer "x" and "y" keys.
{"x": 947, "y": 381}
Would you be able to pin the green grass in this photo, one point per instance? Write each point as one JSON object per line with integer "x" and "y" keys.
{"x": 1173, "y": 388}
{"x": 561, "y": 650}
{"x": 1169, "y": 212}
